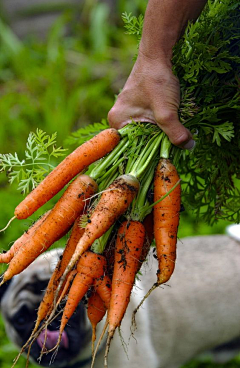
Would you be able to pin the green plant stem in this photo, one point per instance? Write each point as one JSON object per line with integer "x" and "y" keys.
{"x": 108, "y": 180}
{"x": 135, "y": 147}
{"x": 110, "y": 159}
{"x": 146, "y": 156}
{"x": 165, "y": 147}
{"x": 140, "y": 208}
{"x": 112, "y": 169}
{"x": 100, "y": 244}
{"x": 34, "y": 164}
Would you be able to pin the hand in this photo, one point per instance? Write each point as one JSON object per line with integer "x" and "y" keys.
{"x": 151, "y": 94}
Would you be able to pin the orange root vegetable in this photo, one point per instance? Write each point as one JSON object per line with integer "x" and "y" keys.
{"x": 76, "y": 162}
{"x": 96, "y": 311}
{"x": 113, "y": 203}
{"x": 6, "y": 257}
{"x": 128, "y": 251}
{"x": 166, "y": 218}
{"x": 165, "y": 224}
{"x": 46, "y": 305}
{"x": 67, "y": 285}
{"x": 59, "y": 220}
{"x": 90, "y": 267}
{"x": 104, "y": 289}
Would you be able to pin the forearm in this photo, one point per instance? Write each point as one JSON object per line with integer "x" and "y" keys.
{"x": 164, "y": 23}
{"x": 152, "y": 91}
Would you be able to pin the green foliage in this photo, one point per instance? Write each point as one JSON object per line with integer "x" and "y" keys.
{"x": 63, "y": 83}
{"x": 207, "y": 363}
{"x": 133, "y": 24}
{"x": 207, "y": 63}
{"x": 84, "y": 134}
{"x": 40, "y": 149}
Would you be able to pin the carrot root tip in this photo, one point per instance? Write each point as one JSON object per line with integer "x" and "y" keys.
{"x": 134, "y": 324}
{"x": 108, "y": 343}
{"x": 9, "y": 222}
{"x": 99, "y": 342}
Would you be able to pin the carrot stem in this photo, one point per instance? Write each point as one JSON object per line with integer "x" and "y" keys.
{"x": 165, "y": 147}
{"x": 112, "y": 175}
{"x": 110, "y": 159}
{"x": 136, "y": 147}
{"x": 113, "y": 168}
{"x": 100, "y": 243}
{"x": 140, "y": 206}
{"x": 143, "y": 161}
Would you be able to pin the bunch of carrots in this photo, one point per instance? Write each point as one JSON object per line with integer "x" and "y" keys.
{"x": 108, "y": 199}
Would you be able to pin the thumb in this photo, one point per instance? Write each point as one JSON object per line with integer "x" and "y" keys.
{"x": 175, "y": 130}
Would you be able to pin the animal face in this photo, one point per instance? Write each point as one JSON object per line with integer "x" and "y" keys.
{"x": 19, "y": 303}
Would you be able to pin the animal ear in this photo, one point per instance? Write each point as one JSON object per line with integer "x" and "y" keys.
{"x": 3, "y": 289}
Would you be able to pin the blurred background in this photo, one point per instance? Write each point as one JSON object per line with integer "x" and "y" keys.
{"x": 62, "y": 63}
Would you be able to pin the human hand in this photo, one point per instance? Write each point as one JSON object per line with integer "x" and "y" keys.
{"x": 152, "y": 94}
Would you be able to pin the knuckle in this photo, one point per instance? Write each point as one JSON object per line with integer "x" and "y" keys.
{"x": 111, "y": 116}
{"x": 165, "y": 117}
{"x": 179, "y": 139}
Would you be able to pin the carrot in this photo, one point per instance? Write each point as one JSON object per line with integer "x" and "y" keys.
{"x": 103, "y": 287}
{"x": 60, "y": 219}
{"x": 90, "y": 266}
{"x": 113, "y": 203}
{"x": 73, "y": 164}
{"x": 47, "y": 302}
{"x": 6, "y": 257}
{"x": 99, "y": 303}
{"x": 128, "y": 251}
{"x": 96, "y": 311}
{"x": 67, "y": 285}
{"x": 166, "y": 218}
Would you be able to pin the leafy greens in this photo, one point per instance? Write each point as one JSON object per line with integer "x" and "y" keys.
{"x": 207, "y": 63}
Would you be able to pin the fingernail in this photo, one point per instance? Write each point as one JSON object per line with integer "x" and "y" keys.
{"x": 189, "y": 145}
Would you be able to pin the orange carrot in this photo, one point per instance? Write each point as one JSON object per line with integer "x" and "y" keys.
{"x": 66, "y": 286}
{"x": 165, "y": 224}
{"x": 96, "y": 311}
{"x": 6, "y": 257}
{"x": 73, "y": 164}
{"x": 60, "y": 219}
{"x": 113, "y": 203}
{"x": 103, "y": 287}
{"x": 128, "y": 251}
{"x": 90, "y": 266}
{"x": 166, "y": 218}
{"x": 47, "y": 303}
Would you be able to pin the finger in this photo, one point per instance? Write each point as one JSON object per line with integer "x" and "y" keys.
{"x": 176, "y": 132}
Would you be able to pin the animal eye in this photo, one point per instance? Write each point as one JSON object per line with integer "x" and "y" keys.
{"x": 22, "y": 317}
{"x": 22, "y": 320}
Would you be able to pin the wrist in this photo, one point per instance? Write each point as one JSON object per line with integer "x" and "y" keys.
{"x": 161, "y": 56}
{"x": 153, "y": 64}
